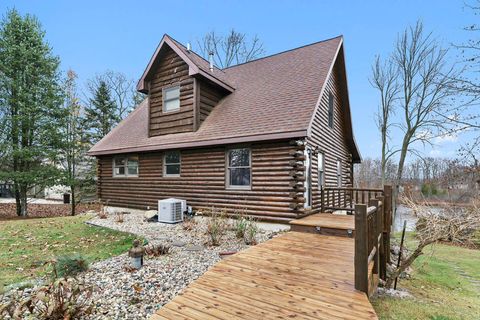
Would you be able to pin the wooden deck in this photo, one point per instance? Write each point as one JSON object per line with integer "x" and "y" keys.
{"x": 326, "y": 224}
{"x": 296, "y": 275}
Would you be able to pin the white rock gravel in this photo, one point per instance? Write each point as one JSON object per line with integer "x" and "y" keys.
{"x": 121, "y": 294}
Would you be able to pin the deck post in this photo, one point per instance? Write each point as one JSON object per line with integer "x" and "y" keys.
{"x": 387, "y": 221}
{"x": 361, "y": 248}
{"x": 382, "y": 267}
{"x": 377, "y": 231}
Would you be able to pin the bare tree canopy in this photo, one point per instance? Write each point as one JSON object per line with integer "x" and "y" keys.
{"x": 423, "y": 94}
{"x": 123, "y": 91}
{"x": 230, "y": 49}
{"x": 384, "y": 79}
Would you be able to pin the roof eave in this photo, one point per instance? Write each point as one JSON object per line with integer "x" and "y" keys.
{"x": 204, "y": 143}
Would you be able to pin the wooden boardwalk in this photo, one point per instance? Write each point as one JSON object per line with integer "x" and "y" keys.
{"x": 293, "y": 276}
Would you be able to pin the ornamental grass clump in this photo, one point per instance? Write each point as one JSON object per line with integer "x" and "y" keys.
{"x": 217, "y": 226}
{"x": 240, "y": 226}
{"x": 251, "y": 231}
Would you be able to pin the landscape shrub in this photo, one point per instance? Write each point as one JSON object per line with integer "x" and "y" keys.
{"x": 217, "y": 225}
{"x": 68, "y": 266}
{"x": 61, "y": 299}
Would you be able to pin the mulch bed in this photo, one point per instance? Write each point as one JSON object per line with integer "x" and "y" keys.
{"x": 36, "y": 210}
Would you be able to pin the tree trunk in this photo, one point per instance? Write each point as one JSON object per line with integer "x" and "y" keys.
{"x": 403, "y": 156}
{"x": 23, "y": 201}
{"x": 73, "y": 205}
{"x": 407, "y": 263}
{"x": 17, "y": 200}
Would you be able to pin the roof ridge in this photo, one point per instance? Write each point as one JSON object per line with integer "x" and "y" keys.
{"x": 194, "y": 52}
{"x": 285, "y": 51}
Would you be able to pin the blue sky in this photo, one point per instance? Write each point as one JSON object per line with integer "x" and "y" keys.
{"x": 93, "y": 36}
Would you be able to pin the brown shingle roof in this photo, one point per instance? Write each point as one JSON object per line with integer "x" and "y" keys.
{"x": 274, "y": 97}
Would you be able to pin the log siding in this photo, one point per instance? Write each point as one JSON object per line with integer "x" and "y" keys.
{"x": 202, "y": 182}
{"x": 171, "y": 71}
{"x": 330, "y": 141}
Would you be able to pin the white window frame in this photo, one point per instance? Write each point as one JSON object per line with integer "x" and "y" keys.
{"x": 227, "y": 171}
{"x": 165, "y": 164}
{"x": 126, "y": 174}
{"x": 321, "y": 170}
{"x": 339, "y": 173}
{"x": 165, "y": 100}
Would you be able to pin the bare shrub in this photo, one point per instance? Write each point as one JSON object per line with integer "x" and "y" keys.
{"x": 189, "y": 224}
{"x": 217, "y": 225}
{"x": 434, "y": 225}
{"x": 62, "y": 299}
{"x": 156, "y": 250}
{"x": 119, "y": 218}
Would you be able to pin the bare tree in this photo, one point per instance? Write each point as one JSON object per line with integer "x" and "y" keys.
{"x": 384, "y": 79}
{"x": 230, "y": 49}
{"x": 426, "y": 86}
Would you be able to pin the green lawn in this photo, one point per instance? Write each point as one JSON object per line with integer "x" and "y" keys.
{"x": 26, "y": 244}
{"x": 445, "y": 284}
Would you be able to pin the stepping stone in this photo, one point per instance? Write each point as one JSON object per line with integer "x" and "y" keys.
{"x": 194, "y": 248}
{"x": 178, "y": 243}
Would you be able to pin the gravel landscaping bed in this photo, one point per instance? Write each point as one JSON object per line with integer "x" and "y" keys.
{"x": 135, "y": 295}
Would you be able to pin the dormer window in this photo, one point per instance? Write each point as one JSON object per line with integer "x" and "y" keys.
{"x": 171, "y": 99}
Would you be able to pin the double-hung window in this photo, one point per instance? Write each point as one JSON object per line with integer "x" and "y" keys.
{"x": 321, "y": 171}
{"x": 239, "y": 170}
{"x": 124, "y": 166}
{"x": 171, "y": 163}
{"x": 171, "y": 99}
{"x": 339, "y": 173}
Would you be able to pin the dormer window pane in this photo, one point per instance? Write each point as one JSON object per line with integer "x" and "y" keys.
{"x": 171, "y": 99}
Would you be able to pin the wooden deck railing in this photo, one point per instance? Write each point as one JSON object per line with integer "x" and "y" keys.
{"x": 372, "y": 240}
{"x": 334, "y": 199}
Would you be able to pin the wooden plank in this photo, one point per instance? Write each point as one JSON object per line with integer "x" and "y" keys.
{"x": 326, "y": 220}
{"x": 295, "y": 275}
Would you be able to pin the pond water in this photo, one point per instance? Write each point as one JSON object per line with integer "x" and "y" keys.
{"x": 403, "y": 213}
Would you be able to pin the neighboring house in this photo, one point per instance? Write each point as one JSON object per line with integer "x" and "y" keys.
{"x": 232, "y": 138}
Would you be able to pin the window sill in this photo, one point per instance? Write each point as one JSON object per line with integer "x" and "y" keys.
{"x": 172, "y": 111}
{"x": 125, "y": 177}
{"x": 171, "y": 176}
{"x": 239, "y": 187}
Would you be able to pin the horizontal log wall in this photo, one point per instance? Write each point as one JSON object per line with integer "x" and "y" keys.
{"x": 331, "y": 141}
{"x": 202, "y": 182}
{"x": 171, "y": 71}
{"x": 209, "y": 98}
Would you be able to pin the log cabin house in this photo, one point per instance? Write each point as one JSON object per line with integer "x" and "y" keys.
{"x": 263, "y": 137}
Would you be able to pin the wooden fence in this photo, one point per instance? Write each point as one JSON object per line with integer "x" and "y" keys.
{"x": 372, "y": 240}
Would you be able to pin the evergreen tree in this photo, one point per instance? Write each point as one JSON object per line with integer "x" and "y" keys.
{"x": 101, "y": 114}
{"x": 31, "y": 107}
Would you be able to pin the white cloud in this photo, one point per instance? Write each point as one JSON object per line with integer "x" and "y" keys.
{"x": 449, "y": 137}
